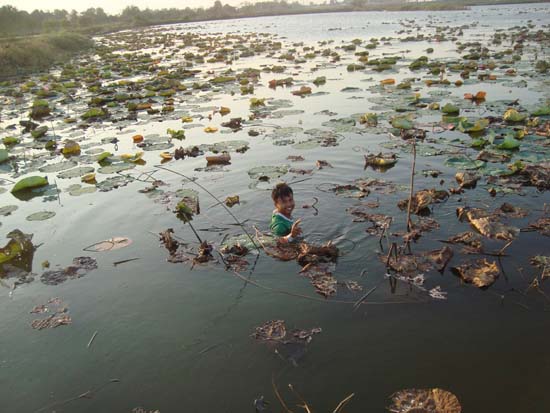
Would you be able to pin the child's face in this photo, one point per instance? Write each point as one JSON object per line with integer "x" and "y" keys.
{"x": 285, "y": 205}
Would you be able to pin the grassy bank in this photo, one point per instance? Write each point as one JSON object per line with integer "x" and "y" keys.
{"x": 24, "y": 55}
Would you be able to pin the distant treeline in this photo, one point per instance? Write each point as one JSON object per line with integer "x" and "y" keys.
{"x": 14, "y": 22}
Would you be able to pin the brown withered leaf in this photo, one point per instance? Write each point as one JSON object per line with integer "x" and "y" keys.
{"x": 467, "y": 180}
{"x": 411, "y": 265}
{"x": 480, "y": 272}
{"x": 425, "y": 224}
{"x": 508, "y": 210}
{"x": 424, "y": 401}
{"x": 538, "y": 175}
{"x": 313, "y": 254}
{"x": 489, "y": 156}
{"x": 168, "y": 241}
{"x": 543, "y": 263}
{"x": 541, "y": 225}
{"x": 271, "y": 330}
{"x": 422, "y": 199}
{"x": 487, "y": 224}
{"x": 325, "y": 285}
{"x": 439, "y": 258}
{"x": 470, "y": 239}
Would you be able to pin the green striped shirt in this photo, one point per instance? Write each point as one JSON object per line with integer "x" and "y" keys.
{"x": 280, "y": 225}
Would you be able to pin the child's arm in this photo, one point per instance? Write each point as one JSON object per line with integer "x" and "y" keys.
{"x": 295, "y": 231}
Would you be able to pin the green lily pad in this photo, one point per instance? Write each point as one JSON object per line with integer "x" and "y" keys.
{"x": 10, "y": 140}
{"x": 4, "y": 155}
{"x": 513, "y": 116}
{"x": 477, "y": 126}
{"x": 75, "y": 173}
{"x": 113, "y": 183}
{"x": 116, "y": 167}
{"x": 39, "y": 132}
{"x": 102, "y": 156}
{"x": 461, "y": 162}
{"x": 30, "y": 182}
{"x": 8, "y": 209}
{"x": 542, "y": 111}
{"x": 41, "y": 216}
{"x": 450, "y": 109}
{"x": 402, "y": 122}
{"x": 509, "y": 143}
{"x": 77, "y": 190}
{"x": 19, "y": 245}
{"x": 59, "y": 166}
{"x": 267, "y": 172}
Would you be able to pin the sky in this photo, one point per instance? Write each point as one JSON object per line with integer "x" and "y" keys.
{"x": 111, "y": 6}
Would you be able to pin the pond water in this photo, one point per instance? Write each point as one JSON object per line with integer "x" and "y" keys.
{"x": 177, "y": 336}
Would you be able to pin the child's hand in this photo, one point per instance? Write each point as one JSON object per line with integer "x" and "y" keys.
{"x": 296, "y": 231}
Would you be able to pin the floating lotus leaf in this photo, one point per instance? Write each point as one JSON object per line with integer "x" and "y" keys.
{"x": 480, "y": 272}
{"x": 469, "y": 127}
{"x": 509, "y": 143}
{"x": 59, "y": 166}
{"x": 39, "y": 132}
{"x": 342, "y": 125}
{"x": 541, "y": 111}
{"x": 305, "y": 145}
{"x": 19, "y": 244}
{"x": 543, "y": 263}
{"x": 110, "y": 244}
{"x": 487, "y": 224}
{"x": 184, "y": 212}
{"x": 71, "y": 148}
{"x": 95, "y": 113}
{"x": 191, "y": 198}
{"x": 371, "y": 119}
{"x": 513, "y": 116}
{"x": 4, "y": 155}
{"x": 75, "y": 173}
{"x": 450, "y": 109}
{"x": 160, "y": 146}
{"x": 402, "y": 122}
{"x": 267, "y": 172}
{"x": 10, "y": 140}
{"x": 113, "y": 182}
{"x": 424, "y": 401}
{"x": 8, "y": 209}
{"x": 114, "y": 168}
{"x": 77, "y": 190}
{"x": 128, "y": 157}
{"x": 29, "y": 183}
{"x": 462, "y": 162}
{"x": 102, "y": 156}
{"x": 41, "y": 216}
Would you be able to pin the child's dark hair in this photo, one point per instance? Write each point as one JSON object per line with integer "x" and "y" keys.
{"x": 280, "y": 191}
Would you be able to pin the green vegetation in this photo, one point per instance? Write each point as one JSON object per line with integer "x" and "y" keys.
{"x": 19, "y": 56}
{"x": 34, "y": 41}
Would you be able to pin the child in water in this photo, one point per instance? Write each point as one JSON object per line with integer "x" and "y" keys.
{"x": 282, "y": 223}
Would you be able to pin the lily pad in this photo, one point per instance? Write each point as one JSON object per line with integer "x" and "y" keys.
{"x": 481, "y": 273}
{"x": 461, "y": 162}
{"x": 59, "y": 166}
{"x": 424, "y": 401}
{"x": 77, "y": 190}
{"x": 75, "y": 173}
{"x": 267, "y": 172}
{"x": 41, "y": 216}
{"x": 8, "y": 209}
{"x": 30, "y": 182}
{"x": 110, "y": 244}
{"x": 114, "y": 168}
